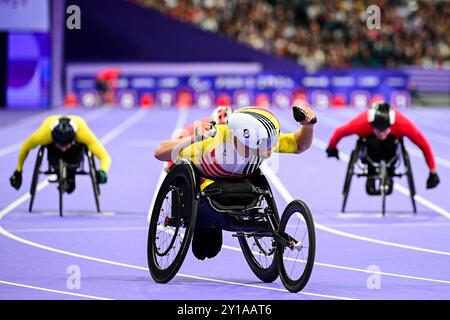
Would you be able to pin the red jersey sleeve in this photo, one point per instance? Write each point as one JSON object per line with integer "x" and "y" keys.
{"x": 359, "y": 125}
{"x": 404, "y": 127}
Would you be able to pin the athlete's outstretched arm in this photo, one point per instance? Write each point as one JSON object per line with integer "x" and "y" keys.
{"x": 42, "y": 136}
{"x": 304, "y": 137}
{"x": 166, "y": 148}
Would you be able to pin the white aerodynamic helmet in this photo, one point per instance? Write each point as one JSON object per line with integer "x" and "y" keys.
{"x": 256, "y": 128}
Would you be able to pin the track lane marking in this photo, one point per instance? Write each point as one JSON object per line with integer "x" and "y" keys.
{"x": 15, "y": 284}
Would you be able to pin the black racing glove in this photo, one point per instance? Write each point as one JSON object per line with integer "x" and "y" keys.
{"x": 300, "y": 115}
{"x": 332, "y": 153}
{"x": 101, "y": 176}
{"x": 432, "y": 181}
{"x": 16, "y": 180}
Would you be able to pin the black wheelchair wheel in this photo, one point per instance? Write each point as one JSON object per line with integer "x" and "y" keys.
{"x": 35, "y": 178}
{"x": 260, "y": 251}
{"x": 348, "y": 177}
{"x": 61, "y": 184}
{"x": 409, "y": 175}
{"x": 383, "y": 190}
{"x": 172, "y": 223}
{"x": 92, "y": 174}
{"x": 298, "y": 225}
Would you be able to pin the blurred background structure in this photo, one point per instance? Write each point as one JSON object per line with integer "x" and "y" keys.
{"x": 207, "y": 52}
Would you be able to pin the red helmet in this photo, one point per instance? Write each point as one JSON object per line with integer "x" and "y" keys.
{"x": 221, "y": 114}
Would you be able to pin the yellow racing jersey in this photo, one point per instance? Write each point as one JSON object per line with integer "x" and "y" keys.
{"x": 43, "y": 136}
{"x": 217, "y": 157}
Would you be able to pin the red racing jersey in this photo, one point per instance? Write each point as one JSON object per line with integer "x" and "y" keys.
{"x": 402, "y": 127}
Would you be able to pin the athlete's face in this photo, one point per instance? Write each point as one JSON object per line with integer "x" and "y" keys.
{"x": 63, "y": 147}
{"x": 382, "y": 134}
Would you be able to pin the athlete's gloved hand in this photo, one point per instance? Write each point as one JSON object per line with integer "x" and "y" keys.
{"x": 433, "y": 180}
{"x": 332, "y": 153}
{"x": 101, "y": 176}
{"x": 205, "y": 130}
{"x": 16, "y": 180}
{"x": 304, "y": 114}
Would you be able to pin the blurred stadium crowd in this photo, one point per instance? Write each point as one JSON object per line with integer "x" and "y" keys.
{"x": 331, "y": 34}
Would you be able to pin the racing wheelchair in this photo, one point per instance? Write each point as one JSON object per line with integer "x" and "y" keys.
{"x": 60, "y": 170}
{"x": 271, "y": 246}
{"x": 358, "y": 166}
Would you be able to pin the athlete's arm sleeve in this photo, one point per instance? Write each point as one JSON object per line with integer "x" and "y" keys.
{"x": 88, "y": 138}
{"x": 352, "y": 127}
{"x": 194, "y": 151}
{"x": 414, "y": 134}
{"x": 286, "y": 143}
{"x": 42, "y": 136}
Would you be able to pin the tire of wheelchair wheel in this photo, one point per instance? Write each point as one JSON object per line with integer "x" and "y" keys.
{"x": 180, "y": 172}
{"x": 348, "y": 177}
{"x": 409, "y": 175}
{"x": 292, "y": 208}
{"x": 61, "y": 168}
{"x": 92, "y": 173}
{"x": 34, "y": 180}
{"x": 269, "y": 274}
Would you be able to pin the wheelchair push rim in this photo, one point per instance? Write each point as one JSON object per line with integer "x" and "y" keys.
{"x": 260, "y": 251}
{"x": 171, "y": 224}
{"x": 296, "y": 260}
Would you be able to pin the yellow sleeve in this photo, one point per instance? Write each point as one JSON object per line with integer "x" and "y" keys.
{"x": 88, "y": 138}
{"x": 194, "y": 152}
{"x": 42, "y": 136}
{"x": 286, "y": 143}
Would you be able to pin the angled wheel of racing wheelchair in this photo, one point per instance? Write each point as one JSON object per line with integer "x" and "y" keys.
{"x": 35, "y": 178}
{"x": 409, "y": 175}
{"x": 93, "y": 175}
{"x": 172, "y": 222}
{"x": 297, "y": 246}
{"x": 350, "y": 171}
{"x": 259, "y": 248}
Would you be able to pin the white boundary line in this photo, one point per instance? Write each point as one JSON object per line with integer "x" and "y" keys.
{"x": 288, "y": 198}
{"x": 52, "y": 290}
{"x": 354, "y": 269}
{"x": 40, "y": 246}
{"x": 111, "y": 136}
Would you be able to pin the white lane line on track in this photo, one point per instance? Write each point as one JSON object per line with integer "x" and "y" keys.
{"x": 334, "y": 266}
{"x": 38, "y": 230}
{"x": 418, "y": 154}
{"x": 346, "y": 158}
{"x": 181, "y": 122}
{"x": 288, "y": 198}
{"x": 14, "y": 237}
{"x": 90, "y": 117}
{"x": 40, "y": 246}
{"x": 168, "y": 230}
{"x": 52, "y": 290}
{"x": 45, "y": 183}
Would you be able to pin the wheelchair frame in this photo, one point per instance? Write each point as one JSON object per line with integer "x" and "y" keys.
{"x": 382, "y": 173}
{"x": 251, "y": 222}
{"x": 61, "y": 174}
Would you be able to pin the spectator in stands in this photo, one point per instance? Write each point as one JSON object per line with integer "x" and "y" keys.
{"x": 320, "y": 33}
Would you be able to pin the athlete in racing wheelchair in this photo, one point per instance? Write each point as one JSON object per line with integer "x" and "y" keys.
{"x": 216, "y": 185}
{"x": 68, "y": 140}
{"x": 379, "y": 151}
